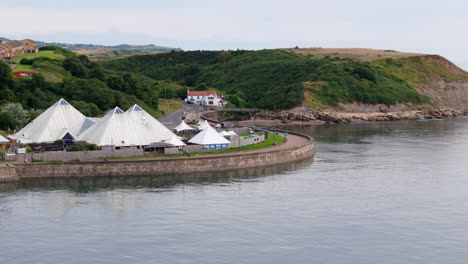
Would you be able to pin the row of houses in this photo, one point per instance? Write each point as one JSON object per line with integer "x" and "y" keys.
{"x": 16, "y": 48}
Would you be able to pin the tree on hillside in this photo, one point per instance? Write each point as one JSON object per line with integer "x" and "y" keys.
{"x": 6, "y": 80}
{"x": 90, "y": 91}
{"x": 7, "y": 121}
{"x": 224, "y": 56}
{"x": 19, "y": 114}
{"x": 39, "y": 82}
{"x": 6, "y": 95}
{"x": 75, "y": 67}
{"x": 202, "y": 87}
{"x": 87, "y": 109}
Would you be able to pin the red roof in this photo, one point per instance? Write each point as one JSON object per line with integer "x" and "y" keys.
{"x": 200, "y": 93}
{"x": 24, "y": 74}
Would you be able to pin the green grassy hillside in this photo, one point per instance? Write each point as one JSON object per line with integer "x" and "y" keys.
{"x": 277, "y": 78}
{"x": 85, "y": 84}
{"x": 50, "y": 54}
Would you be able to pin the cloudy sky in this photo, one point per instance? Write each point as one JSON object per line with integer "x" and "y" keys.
{"x": 435, "y": 27}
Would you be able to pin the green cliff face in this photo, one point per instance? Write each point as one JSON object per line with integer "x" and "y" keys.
{"x": 284, "y": 79}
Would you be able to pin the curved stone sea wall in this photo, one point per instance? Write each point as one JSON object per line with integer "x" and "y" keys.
{"x": 160, "y": 166}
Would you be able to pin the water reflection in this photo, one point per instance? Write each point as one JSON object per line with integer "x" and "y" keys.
{"x": 90, "y": 184}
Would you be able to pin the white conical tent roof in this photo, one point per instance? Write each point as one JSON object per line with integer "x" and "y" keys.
{"x": 132, "y": 128}
{"x": 209, "y": 136}
{"x": 53, "y": 123}
{"x": 108, "y": 131}
{"x": 148, "y": 129}
{"x": 175, "y": 141}
{"x": 232, "y": 133}
{"x": 225, "y": 133}
{"x": 203, "y": 125}
{"x": 183, "y": 126}
{"x": 3, "y": 139}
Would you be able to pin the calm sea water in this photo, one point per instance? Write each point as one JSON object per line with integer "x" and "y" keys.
{"x": 375, "y": 193}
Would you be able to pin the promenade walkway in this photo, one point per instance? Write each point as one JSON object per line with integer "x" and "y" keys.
{"x": 293, "y": 141}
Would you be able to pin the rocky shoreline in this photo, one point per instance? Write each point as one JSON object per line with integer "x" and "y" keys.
{"x": 336, "y": 117}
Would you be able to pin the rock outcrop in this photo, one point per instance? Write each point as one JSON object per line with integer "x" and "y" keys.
{"x": 339, "y": 117}
{"x": 335, "y": 117}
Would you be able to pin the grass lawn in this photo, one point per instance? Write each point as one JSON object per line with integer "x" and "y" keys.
{"x": 267, "y": 143}
{"x": 20, "y": 67}
{"x": 169, "y": 106}
{"x": 41, "y": 54}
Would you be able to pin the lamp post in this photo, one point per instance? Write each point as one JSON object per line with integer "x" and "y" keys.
{"x": 165, "y": 98}
{"x": 274, "y": 124}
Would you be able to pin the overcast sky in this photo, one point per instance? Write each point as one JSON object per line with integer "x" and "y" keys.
{"x": 435, "y": 27}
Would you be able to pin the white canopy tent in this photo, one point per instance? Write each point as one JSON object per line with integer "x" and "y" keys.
{"x": 210, "y": 138}
{"x": 55, "y": 122}
{"x": 3, "y": 139}
{"x": 203, "y": 125}
{"x": 135, "y": 127}
{"x": 175, "y": 141}
{"x": 225, "y": 133}
{"x": 183, "y": 126}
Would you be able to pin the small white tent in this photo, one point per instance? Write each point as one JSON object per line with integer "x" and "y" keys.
{"x": 3, "y": 139}
{"x": 175, "y": 141}
{"x": 210, "y": 139}
{"x": 55, "y": 122}
{"x": 225, "y": 133}
{"x": 203, "y": 125}
{"x": 183, "y": 126}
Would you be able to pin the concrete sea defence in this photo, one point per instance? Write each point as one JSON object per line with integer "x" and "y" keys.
{"x": 299, "y": 147}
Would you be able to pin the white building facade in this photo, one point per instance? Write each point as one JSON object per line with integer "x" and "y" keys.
{"x": 204, "y": 98}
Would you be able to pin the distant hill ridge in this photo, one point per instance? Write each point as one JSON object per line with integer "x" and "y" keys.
{"x": 80, "y": 46}
{"x": 76, "y": 47}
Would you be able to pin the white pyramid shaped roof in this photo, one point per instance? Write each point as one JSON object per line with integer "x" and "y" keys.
{"x": 135, "y": 127}
{"x": 232, "y": 133}
{"x": 52, "y": 124}
{"x": 208, "y": 136}
{"x": 225, "y": 133}
{"x": 149, "y": 129}
{"x": 183, "y": 126}
{"x": 3, "y": 139}
{"x": 203, "y": 125}
{"x": 175, "y": 141}
{"x": 106, "y": 131}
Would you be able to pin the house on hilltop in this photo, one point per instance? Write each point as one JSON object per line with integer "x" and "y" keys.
{"x": 4, "y": 51}
{"x": 29, "y": 46}
{"x": 15, "y": 48}
{"x": 204, "y": 98}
